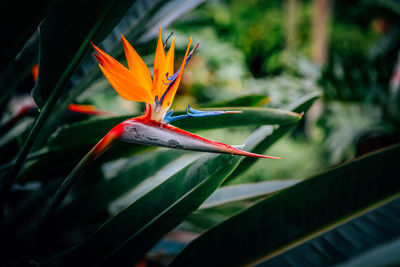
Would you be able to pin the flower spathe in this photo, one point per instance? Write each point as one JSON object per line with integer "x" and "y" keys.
{"x": 136, "y": 84}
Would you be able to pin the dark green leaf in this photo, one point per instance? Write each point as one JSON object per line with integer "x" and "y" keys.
{"x": 97, "y": 198}
{"x": 143, "y": 223}
{"x": 244, "y": 101}
{"x": 291, "y": 216}
{"x": 362, "y": 241}
{"x": 65, "y": 158}
{"x": 232, "y": 193}
{"x": 138, "y": 227}
{"x": 301, "y": 106}
{"x": 65, "y": 37}
{"x": 383, "y": 255}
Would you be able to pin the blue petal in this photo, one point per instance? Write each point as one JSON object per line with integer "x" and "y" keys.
{"x": 192, "y": 113}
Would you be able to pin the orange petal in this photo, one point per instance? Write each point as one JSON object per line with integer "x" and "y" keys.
{"x": 121, "y": 79}
{"x": 171, "y": 93}
{"x": 159, "y": 60}
{"x": 169, "y": 61}
{"x": 136, "y": 65}
{"x": 167, "y": 67}
{"x": 127, "y": 88}
{"x": 35, "y": 72}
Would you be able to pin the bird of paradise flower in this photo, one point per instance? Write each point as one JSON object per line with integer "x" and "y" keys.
{"x": 152, "y": 128}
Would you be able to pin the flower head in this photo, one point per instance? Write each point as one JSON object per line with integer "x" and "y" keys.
{"x": 135, "y": 82}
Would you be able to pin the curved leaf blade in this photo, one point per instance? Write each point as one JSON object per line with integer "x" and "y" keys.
{"x": 65, "y": 36}
{"x": 302, "y": 105}
{"x": 138, "y": 227}
{"x": 284, "y": 218}
{"x": 361, "y": 235}
{"x": 157, "y": 212}
{"x": 239, "y": 192}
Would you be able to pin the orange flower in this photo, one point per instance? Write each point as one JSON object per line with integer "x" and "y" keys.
{"x": 135, "y": 83}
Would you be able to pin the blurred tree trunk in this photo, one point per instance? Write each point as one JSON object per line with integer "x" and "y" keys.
{"x": 320, "y": 27}
{"x": 291, "y": 8}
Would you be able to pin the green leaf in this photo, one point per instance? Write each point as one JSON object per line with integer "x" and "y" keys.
{"x": 239, "y": 192}
{"x": 89, "y": 132}
{"x": 361, "y": 241}
{"x": 244, "y": 101}
{"x": 302, "y": 105}
{"x": 97, "y": 198}
{"x": 65, "y": 158}
{"x": 138, "y": 227}
{"x": 249, "y": 116}
{"x": 65, "y": 37}
{"x": 143, "y": 223}
{"x": 383, "y": 255}
{"x": 295, "y": 215}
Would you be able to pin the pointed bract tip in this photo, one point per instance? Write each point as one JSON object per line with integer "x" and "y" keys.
{"x": 233, "y": 111}
{"x": 99, "y": 59}
{"x": 249, "y": 154}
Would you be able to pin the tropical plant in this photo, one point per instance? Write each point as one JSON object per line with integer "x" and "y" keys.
{"x": 59, "y": 211}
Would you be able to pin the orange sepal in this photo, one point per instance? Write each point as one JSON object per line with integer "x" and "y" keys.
{"x": 137, "y": 67}
{"x": 159, "y": 60}
{"x": 121, "y": 79}
{"x": 171, "y": 93}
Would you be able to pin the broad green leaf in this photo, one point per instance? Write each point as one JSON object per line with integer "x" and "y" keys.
{"x": 249, "y": 116}
{"x": 138, "y": 227}
{"x": 292, "y": 216}
{"x": 361, "y": 241}
{"x": 65, "y": 37}
{"x": 143, "y": 223}
{"x": 66, "y": 158}
{"x": 92, "y": 130}
{"x": 16, "y": 131}
{"x": 244, "y": 101}
{"x": 301, "y": 105}
{"x": 97, "y": 198}
{"x": 230, "y": 200}
{"x": 21, "y": 19}
{"x": 383, "y": 255}
{"x": 239, "y": 192}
